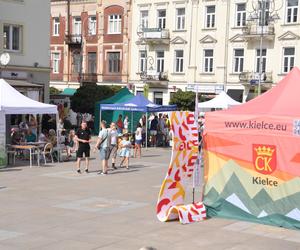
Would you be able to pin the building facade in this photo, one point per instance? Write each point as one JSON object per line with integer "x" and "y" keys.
{"x": 89, "y": 42}
{"x": 26, "y": 40}
{"x": 211, "y": 44}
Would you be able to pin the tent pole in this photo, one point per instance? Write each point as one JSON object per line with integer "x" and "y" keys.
{"x": 100, "y": 118}
{"x": 131, "y": 122}
{"x": 58, "y": 138}
{"x": 146, "y": 131}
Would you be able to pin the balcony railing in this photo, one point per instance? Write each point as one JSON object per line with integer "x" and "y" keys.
{"x": 155, "y": 35}
{"x": 89, "y": 77}
{"x": 253, "y": 77}
{"x": 152, "y": 75}
{"x": 73, "y": 39}
{"x": 253, "y": 30}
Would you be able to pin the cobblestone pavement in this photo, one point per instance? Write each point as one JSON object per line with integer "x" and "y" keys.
{"x": 53, "y": 207}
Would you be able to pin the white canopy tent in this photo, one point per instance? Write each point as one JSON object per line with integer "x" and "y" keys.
{"x": 13, "y": 102}
{"x": 221, "y": 101}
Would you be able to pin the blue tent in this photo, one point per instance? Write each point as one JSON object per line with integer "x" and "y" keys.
{"x": 138, "y": 103}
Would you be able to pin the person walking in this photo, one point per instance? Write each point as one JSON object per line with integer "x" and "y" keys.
{"x": 103, "y": 144}
{"x": 138, "y": 141}
{"x": 113, "y": 144}
{"x": 125, "y": 150}
{"x": 83, "y": 137}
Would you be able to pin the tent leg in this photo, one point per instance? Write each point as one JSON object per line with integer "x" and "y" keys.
{"x": 100, "y": 118}
{"x": 131, "y": 122}
{"x": 146, "y": 131}
{"x": 58, "y": 138}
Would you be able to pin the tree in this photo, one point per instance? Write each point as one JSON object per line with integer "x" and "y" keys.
{"x": 185, "y": 100}
{"x": 54, "y": 91}
{"x": 83, "y": 101}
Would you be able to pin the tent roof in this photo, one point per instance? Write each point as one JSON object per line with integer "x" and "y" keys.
{"x": 222, "y": 101}
{"x": 281, "y": 100}
{"x": 68, "y": 91}
{"x": 121, "y": 96}
{"x": 138, "y": 103}
{"x": 13, "y": 102}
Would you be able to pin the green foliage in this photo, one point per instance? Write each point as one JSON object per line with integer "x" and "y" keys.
{"x": 54, "y": 91}
{"x": 84, "y": 99}
{"x": 185, "y": 100}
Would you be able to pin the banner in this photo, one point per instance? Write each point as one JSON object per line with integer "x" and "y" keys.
{"x": 253, "y": 174}
{"x": 180, "y": 173}
{"x": 2, "y": 140}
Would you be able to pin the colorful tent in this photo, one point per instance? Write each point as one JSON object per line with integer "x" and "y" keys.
{"x": 252, "y": 158}
{"x": 123, "y": 95}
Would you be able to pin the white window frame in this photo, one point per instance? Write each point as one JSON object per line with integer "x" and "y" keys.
{"x": 10, "y": 46}
{"x": 179, "y": 61}
{"x": 158, "y": 95}
{"x": 161, "y": 21}
{"x": 289, "y": 58}
{"x": 238, "y": 61}
{"x": 240, "y": 16}
{"x": 160, "y": 62}
{"x": 92, "y": 25}
{"x": 180, "y": 19}
{"x": 114, "y": 24}
{"x": 209, "y": 61}
{"x": 210, "y": 18}
{"x": 55, "y": 57}
{"x": 143, "y": 61}
{"x": 292, "y": 9}
{"x": 56, "y": 26}
{"x": 77, "y": 26}
{"x": 144, "y": 19}
{"x": 264, "y": 60}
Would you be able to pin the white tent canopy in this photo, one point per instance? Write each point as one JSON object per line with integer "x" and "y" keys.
{"x": 221, "y": 101}
{"x": 13, "y": 102}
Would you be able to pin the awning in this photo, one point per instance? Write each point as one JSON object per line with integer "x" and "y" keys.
{"x": 68, "y": 91}
{"x": 22, "y": 83}
{"x": 236, "y": 94}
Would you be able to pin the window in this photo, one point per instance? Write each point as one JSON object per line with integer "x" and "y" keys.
{"x": 12, "y": 37}
{"x": 238, "y": 61}
{"x": 208, "y": 60}
{"x": 264, "y": 4}
{"x": 113, "y": 62}
{"x": 158, "y": 98}
{"x": 114, "y": 24}
{"x": 77, "y": 26}
{"x": 56, "y": 26}
{"x": 143, "y": 61}
{"x": 92, "y": 25}
{"x": 92, "y": 62}
{"x": 240, "y": 15}
{"x": 179, "y": 61}
{"x": 55, "y": 62}
{"x": 160, "y": 61}
{"x": 161, "y": 19}
{"x": 180, "y": 19}
{"x": 288, "y": 59}
{"x": 144, "y": 18}
{"x": 76, "y": 65}
{"x": 292, "y": 11}
{"x": 264, "y": 60}
{"x": 210, "y": 16}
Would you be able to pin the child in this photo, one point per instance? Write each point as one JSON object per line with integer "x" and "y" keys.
{"x": 125, "y": 150}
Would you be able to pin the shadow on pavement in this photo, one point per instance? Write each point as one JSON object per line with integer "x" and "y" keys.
{"x": 10, "y": 169}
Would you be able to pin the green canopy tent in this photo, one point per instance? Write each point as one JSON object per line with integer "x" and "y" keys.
{"x": 122, "y": 96}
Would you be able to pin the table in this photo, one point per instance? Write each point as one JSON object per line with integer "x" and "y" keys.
{"x": 31, "y": 149}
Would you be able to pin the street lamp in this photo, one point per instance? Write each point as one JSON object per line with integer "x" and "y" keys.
{"x": 263, "y": 13}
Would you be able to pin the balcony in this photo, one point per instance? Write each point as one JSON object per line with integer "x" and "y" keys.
{"x": 73, "y": 39}
{"x": 152, "y": 75}
{"x": 89, "y": 78}
{"x": 154, "y": 36}
{"x": 254, "y": 31}
{"x": 252, "y": 78}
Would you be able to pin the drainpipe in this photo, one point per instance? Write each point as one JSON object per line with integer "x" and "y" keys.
{"x": 68, "y": 34}
{"x": 226, "y": 44}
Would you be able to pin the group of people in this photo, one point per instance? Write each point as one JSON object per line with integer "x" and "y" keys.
{"x": 159, "y": 129}
{"x": 110, "y": 141}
